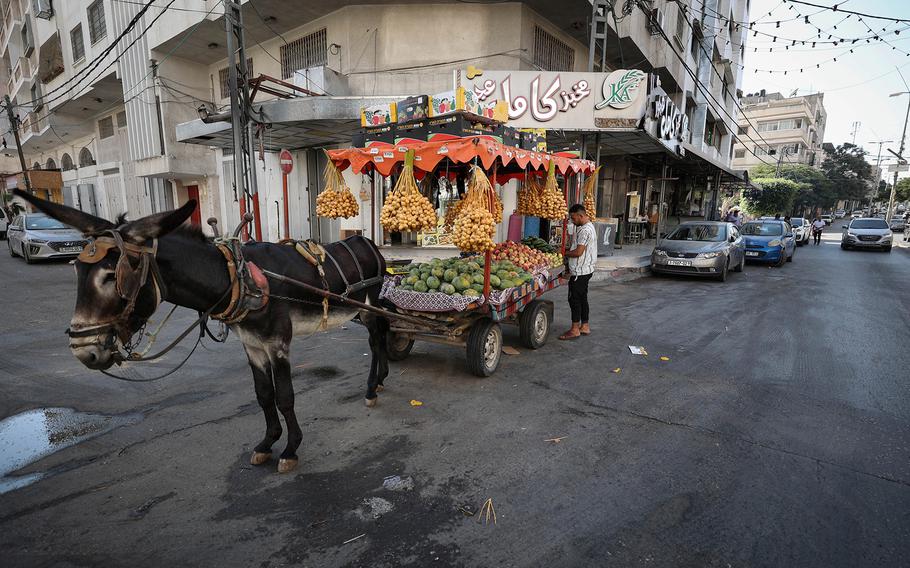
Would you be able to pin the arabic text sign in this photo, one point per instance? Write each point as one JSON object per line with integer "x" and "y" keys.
{"x": 567, "y": 101}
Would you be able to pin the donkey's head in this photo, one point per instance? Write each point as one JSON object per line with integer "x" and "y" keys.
{"x": 116, "y": 289}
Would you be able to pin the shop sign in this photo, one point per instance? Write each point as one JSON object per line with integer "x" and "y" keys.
{"x": 664, "y": 120}
{"x": 566, "y": 101}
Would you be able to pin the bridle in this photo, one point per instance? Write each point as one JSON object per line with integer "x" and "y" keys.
{"x": 129, "y": 279}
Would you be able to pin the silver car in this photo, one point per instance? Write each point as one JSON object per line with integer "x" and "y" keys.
{"x": 35, "y": 236}
{"x": 704, "y": 248}
{"x": 898, "y": 223}
{"x": 867, "y": 232}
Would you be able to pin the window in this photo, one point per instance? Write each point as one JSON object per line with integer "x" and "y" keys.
{"x": 37, "y": 103}
{"x": 760, "y": 151}
{"x": 551, "y": 54}
{"x": 50, "y": 164}
{"x": 96, "y": 26}
{"x": 28, "y": 46}
{"x": 85, "y": 158}
{"x": 121, "y": 119}
{"x": 106, "y": 127}
{"x": 78, "y": 43}
{"x": 696, "y": 37}
{"x": 36, "y": 166}
{"x": 680, "y": 27}
{"x": 308, "y": 51}
{"x": 774, "y": 125}
{"x": 743, "y": 130}
{"x": 66, "y": 163}
{"x": 224, "y": 78}
{"x": 739, "y": 154}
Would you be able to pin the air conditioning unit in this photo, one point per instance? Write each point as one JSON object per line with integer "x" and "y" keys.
{"x": 43, "y": 9}
{"x": 656, "y": 21}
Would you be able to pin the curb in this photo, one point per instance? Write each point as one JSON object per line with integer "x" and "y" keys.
{"x": 619, "y": 275}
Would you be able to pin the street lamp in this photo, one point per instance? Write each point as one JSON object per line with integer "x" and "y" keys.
{"x": 900, "y": 153}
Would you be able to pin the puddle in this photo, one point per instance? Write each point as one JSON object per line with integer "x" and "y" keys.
{"x": 29, "y": 436}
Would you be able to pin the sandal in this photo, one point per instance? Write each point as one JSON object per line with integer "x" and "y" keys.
{"x": 568, "y": 337}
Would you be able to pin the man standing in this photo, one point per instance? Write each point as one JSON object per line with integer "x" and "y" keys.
{"x": 580, "y": 258}
{"x": 817, "y": 227}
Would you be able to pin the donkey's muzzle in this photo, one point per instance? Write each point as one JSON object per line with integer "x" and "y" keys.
{"x": 93, "y": 356}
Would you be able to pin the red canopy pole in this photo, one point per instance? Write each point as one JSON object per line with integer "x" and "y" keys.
{"x": 565, "y": 221}
{"x": 487, "y": 260}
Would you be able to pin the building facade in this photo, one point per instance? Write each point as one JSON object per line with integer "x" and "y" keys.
{"x": 791, "y": 130}
{"x": 119, "y": 118}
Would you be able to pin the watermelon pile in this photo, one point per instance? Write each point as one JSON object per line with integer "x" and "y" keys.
{"x": 461, "y": 276}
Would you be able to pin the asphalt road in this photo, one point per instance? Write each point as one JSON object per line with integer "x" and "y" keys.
{"x": 776, "y": 434}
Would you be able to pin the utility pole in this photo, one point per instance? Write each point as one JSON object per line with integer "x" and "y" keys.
{"x": 856, "y": 126}
{"x": 241, "y": 108}
{"x": 14, "y": 126}
{"x": 878, "y": 165}
{"x": 780, "y": 159}
{"x": 900, "y": 158}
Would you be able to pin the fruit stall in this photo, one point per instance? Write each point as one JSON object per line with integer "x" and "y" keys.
{"x": 464, "y": 300}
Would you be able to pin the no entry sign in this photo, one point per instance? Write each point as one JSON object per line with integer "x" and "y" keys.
{"x": 286, "y": 161}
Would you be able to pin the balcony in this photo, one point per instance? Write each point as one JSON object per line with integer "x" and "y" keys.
{"x": 23, "y": 72}
{"x": 33, "y": 125}
{"x": 12, "y": 23}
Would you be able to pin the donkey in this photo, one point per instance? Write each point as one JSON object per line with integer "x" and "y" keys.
{"x": 193, "y": 273}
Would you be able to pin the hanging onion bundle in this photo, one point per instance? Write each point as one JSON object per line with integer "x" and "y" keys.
{"x": 589, "y": 189}
{"x": 336, "y": 200}
{"x": 405, "y": 209}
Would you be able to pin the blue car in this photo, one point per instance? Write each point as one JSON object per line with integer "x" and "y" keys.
{"x": 769, "y": 240}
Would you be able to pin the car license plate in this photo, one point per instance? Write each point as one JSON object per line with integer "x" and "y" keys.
{"x": 751, "y": 253}
{"x": 679, "y": 262}
{"x": 71, "y": 249}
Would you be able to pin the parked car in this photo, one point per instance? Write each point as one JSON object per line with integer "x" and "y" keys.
{"x": 802, "y": 230}
{"x": 769, "y": 241}
{"x": 858, "y": 214}
{"x": 898, "y": 224}
{"x": 828, "y": 219}
{"x": 867, "y": 232}
{"x": 705, "y": 248}
{"x": 4, "y": 223}
{"x": 36, "y": 236}
{"x": 840, "y": 214}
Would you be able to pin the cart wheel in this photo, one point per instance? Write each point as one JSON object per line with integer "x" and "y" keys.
{"x": 397, "y": 346}
{"x": 534, "y": 325}
{"x": 484, "y": 347}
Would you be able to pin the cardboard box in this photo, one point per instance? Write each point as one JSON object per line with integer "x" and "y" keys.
{"x": 412, "y": 131}
{"x": 378, "y": 115}
{"x": 371, "y": 136}
{"x": 508, "y": 135}
{"x": 413, "y": 108}
{"x": 534, "y": 139}
{"x": 458, "y": 125}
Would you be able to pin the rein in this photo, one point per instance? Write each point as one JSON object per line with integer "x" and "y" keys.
{"x": 130, "y": 281}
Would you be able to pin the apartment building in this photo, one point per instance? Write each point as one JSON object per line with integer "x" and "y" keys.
{"x": 123, "y": 126}
{"x": 774, "y": 128}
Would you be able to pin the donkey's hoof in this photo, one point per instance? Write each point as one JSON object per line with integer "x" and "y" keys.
{"x": 259, "y": 458}
{"x": 380, "y": 388}
{"x": 371, "y": 402}
{"x": 286, "y": 465}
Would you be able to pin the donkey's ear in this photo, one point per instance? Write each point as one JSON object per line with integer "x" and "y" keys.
{"x": 79, "y": 220}
{"x": 157, "y": 225}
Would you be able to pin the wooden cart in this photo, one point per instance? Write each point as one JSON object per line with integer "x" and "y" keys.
{"x": 478, "y": 328}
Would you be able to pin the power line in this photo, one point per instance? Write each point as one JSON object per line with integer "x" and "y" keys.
{"x": 834, "y": 8}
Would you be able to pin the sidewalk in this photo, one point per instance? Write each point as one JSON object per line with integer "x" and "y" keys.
{"x": 628, "y": 263}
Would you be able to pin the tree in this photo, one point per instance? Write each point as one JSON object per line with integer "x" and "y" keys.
{"x": 774, "y": 195}
{"x": 903, "y": 191}
{"x": 848, "y": 172}
{"x": 815, "y": 190}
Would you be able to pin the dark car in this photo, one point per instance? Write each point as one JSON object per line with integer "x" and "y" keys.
{"x": 706, "y": 248}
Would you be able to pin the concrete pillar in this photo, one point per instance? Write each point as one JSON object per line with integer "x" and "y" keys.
{"x": 704, "y": 73}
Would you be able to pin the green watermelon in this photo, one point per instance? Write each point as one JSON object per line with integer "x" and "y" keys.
{"x": 473, "y": 266}
{"x": 411, "y": 280}
{"x": 502, "y": 274}
{"x": 450, "y": 274}
{"x": 461, "y": 283}
{"x": 414, "y": 272}
{"x": 438, "y": 271}
{"x": 421, "y": 286}
{"x": 478, "y": 278}
{"x": 478, "y": 287}
{"x": 494, "y": 280}
{"x": 432, "y": 283}
{"x": 447, "y": 288}
{"x": 471, "y": 293}
{"x": 504, "y": 285}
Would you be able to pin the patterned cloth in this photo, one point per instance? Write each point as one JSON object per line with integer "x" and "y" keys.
{"x": 584, "y": 235}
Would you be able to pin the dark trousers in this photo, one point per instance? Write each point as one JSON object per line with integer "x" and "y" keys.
{"x": 578, "y": 297}
{"x": 817, "y": 235}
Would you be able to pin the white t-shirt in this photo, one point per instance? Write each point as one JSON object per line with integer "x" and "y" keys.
{"x": 819, "y": 224}
{"x": 584, "y": 235}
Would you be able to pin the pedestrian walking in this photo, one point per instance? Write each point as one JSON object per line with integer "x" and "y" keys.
{"x": 817, "y": 227}
{"x": 581, "y": 258}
